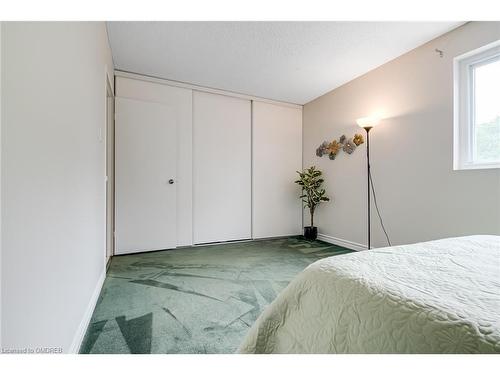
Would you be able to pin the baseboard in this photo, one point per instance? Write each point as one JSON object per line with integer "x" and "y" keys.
{"x": 82, "y": 328}
{"x": 341, "y": 242}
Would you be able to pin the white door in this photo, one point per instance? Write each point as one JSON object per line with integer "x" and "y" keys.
{"x": 277, "y": 155}
{"x": 221, "y": 168}
{"x": 146, "y": 159}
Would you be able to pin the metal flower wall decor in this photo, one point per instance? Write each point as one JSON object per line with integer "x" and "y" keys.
{"x": 347, "y": 145}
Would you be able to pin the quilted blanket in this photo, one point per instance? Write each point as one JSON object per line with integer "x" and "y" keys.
{"x": 433, "y": 297}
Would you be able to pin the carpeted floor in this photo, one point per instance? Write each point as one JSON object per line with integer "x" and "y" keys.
{"x": 194, "y": 300}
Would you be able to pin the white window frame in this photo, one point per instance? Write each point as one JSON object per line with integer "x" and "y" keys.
{"x": 463, "y": 125}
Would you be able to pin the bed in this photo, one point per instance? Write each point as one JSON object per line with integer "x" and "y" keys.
{"x": 432, "y": 297}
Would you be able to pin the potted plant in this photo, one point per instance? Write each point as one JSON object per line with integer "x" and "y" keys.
{"x": 312, "y": 195}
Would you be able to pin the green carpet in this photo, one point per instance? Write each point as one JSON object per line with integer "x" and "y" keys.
{"x": 196, "y": 299}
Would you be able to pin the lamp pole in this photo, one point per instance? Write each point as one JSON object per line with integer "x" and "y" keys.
{"x": 368, "y": 123}
{"x": 367, "y": 128}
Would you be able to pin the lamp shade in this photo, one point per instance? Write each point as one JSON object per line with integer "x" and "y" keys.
{"x": 368, "y": 122}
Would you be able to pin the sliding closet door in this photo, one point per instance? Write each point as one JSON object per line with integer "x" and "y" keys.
{"x": 179, "y": 99}
{"x": 146, "y": 166}
{"x": 277, "y": 155}
{"x": 221, "y": 168}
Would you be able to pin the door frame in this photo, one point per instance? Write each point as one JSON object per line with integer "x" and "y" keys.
{"x": 108, "y": 231}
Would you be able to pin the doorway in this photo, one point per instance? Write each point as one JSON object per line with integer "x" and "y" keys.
{"x": 110, "y": 171}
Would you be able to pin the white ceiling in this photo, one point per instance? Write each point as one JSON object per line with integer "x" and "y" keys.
{"x": 288, "y": 61}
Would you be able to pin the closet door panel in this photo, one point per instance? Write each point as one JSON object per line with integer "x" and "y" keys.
{"x": 277, "y": 155}
{"x": 145, "y": 161}
{"x": 221, "y": 168}
{"x": 180, "y": 99}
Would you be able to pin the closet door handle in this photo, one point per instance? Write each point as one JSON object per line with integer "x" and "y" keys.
{"x": 171, "y": 181}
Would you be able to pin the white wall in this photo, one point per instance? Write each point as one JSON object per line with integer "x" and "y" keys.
{"x": 53, "y": 190}
{"x": 420, "y": 195}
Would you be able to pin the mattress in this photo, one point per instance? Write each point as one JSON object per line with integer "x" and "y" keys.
{"x": 432, "y": 297}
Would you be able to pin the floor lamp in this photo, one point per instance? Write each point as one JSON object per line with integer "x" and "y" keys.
{"x": 368, "y": 123}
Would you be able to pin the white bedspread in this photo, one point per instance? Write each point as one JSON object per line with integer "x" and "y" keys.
{"x": 432, "y": 297}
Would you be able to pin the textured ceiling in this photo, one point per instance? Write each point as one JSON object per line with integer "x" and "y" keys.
{"x": 289, "y": 61}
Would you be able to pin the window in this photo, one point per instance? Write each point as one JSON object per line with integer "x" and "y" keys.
{"x": 477, "y": 109}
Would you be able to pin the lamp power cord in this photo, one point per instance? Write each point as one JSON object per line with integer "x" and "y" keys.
{"x": 376, "y": 207}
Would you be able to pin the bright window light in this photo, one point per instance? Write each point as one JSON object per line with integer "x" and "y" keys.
{"x": 477, "y": 109}
{"x": 486, "y": 111}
